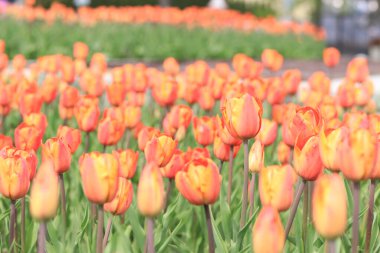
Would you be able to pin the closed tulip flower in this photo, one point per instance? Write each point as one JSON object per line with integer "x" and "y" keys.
{"x": 160, "y": 150}
{"x": 225, "y": 135}
{"x": 357, "y": 69}
{"x": 256, "y": 157}
{"x": 70, "y": 136}
{"x": 127, "y": 162}
{"x": 38, "y": 120}
{"x": 222, "y": 151}
{"x": 206, "y": 100}
{"x": 99, "y": 174}
{"x": 268, "y": 233}
{"x": 116, "y": 93}
{"x": 320, "y": 82}
{"x": 150, "y": 191}
{"x": 145, "y": 135}
{"x": 87, "y": 113}
{"x": 30, "y": 102}
{"x": 242, "y": 116}
{"x": 14, "y": 177}
{"x": 91, "y": 83}
{"x": 275, "y": 92}
{"x": 110, "y": 131}
{"x": 123, "y": 198}
{"x": 283, "y": 153}
{"x": 5, "y": 141}
{"x": 165, "y": 93}
{"x": 58, "y": 151}
{"x": 44, "y": 194}
{"x": 204, "y": 130}
{"x": 175, "y": 164}
{"x": 329, "y": 206}
{"x": 329, "y": 141}
{"x": 49, "y": 88}
{"x": 272, "y": 59}
{"x": 195, "y": 153}
{"x": 171, "y": 66}
{"x": 291, "y": 79}
{"x": 331, "y": 57}
{"x": 307, "y": 159}
{"x": 29, "y": 156}
{"x": 27, "y": 137}
{"x": 132, "y": 116}
{"x": 69, "y": 96}
{"x": 268, "y": 132}
{"x": 199, "y": 182}
{"x": 306, "y": 122}
{"x": 276, "y": 186}
{"x": 80, "y": 50}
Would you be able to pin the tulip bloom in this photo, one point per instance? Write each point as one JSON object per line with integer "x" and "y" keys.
{"x": 116, "y": 93}
{"x": 307, "y": 122}
{"x": 329, "y": 206}
{"x": 291, "y": 79}
{"x": 165, "y": 93}
{"x": 224, "y": 134}
{"x": 175, "y": 164}
{"x": 320, "y": 82}
{"x": 222, "y": 151}
{"x": 30, "y": 102}
{"x": 150, "y": 191}
{"x": 80, "y": 50}
{"x": 268, "y": 233}
{"x": 329, "y": 141}
{"x": 145, "y": 135}
{"x": 99, "y": 174}
{"x": 49, "y": 88}
{"x": 205, "y": 100}
{"x": 283, "y": 153}
{"x": 44, "y": 194}
{"x": 307, "y": 159}
{"x": 122, "y": 199}
{"x": 127, "y": 162}
{"x": 204, "y": 130}
{"x": 5, "y": 141}
{"x": 132, "y": 116}
{"x": 71, "y": 136}
{"x": 256, "y": 157}
{"x": 27, "y": 137}
{"x": 331, "y": 57}
{"x": 14, "y": 177}
{"x": 199, "y": 182}
{"x": 160, "y": 150}
{"x": 36, "y": 119}
{"x": 357, "y": 70}
{"x": 91, "y": 83}
{"x": 268, "y": 132}
{"x": 276, "y": 186}
{"x": 242, "y": 116}
{"x": 110, "y": 131}
{"x": 87, "y": 113}
{"x": 58, "y": 151}
{"x": 272, "y": 59}
{"x": 171, "y": 66}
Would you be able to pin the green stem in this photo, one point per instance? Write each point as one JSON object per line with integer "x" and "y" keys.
{"x": 211, "y": 241}
{"x": 355, "y": 218}
{"x": 12, "y": 226}
{"x": 252, "y": 193}
{"x": 63, "y": 203}
{"x": 170, "y": 185}
{"x": 23, "y": 225}
{"x": 230, "y": 174}
{"x": 305, "y": 214}
{"x": 99, "y": 236}
{"x": 245, "y": 186}
{"x": 372, "y": 188}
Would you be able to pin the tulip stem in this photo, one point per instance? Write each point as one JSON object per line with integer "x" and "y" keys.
{"x": 12, "y": 226}
{"x": 41, "y": 246}
{"x": 355, "y": 218}
{"x": 3, "y": 117}
{"x": 64, "y": 123}
{"x": 221, "y": 166}
{"x": 294, "y": 208}
{"x": 245, "y": 186}
{"x": 169, "y": 190}
{"x": 128, "y": 138}
{"x": 230, "y": 174}
{"x": 87, "y": 143}
{"x": 104, "y": 148}
{"x": 252, "y": 193}
{"x": 150, "y": 235}
{"x": 211, "y": 241}
{"x": 331, "y": 246}
{"x": 305, "y": 214}
{"x": 108, "y": 230}
{"x": 372, "y": 188}
{"x": 99, "y": 236}
{"x": 23, "y": 225}
{"x": 63, "y": 202}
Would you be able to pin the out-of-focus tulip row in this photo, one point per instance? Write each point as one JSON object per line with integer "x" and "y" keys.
{"x": 190, "y": 17}
{"x": 323, "y": 141}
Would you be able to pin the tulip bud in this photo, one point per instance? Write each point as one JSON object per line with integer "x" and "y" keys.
{"x": 71, "y": 136}
{"x": 38, "y": 120}
{"x": 204, "y": 130}
{"x": 272, "y": 59}
{"x": 110, "y": 131}
{"x": 268, "y": 233}
{"x": 175, "y": 164}
{"x": 283, "y": 153}
{"x": 99, "y": 174}
{"x": 127, "y": 162}
{"x": 58, "y": 151}
{"x": 132, "y": 116}
{"x": 80, "y": 50}
{"x": 145, "y": 135}
{"x": 91, "y": 83}
{"x": 256, "y": 157}
{"x": 150, "y": 191}
{"x": 122, "y": 199}
{"x": 49, "y": 88}
{"x": 357, "y": 69}
{"x": 205, "y": 100}
{"x": 291, "y": 79}
{"x": 27, "y": 137}
{"x": 268, "y": 132}
{"x": 329, "y": 206}
{"x": 165, "y": 93}
{"x": 87, "y": 113}
{"x": 116, "y": 93}
{"x": 199, "y": 182}
{"x": 14, "y": 177}
{"x": 222, "y": 151}
{"x": 225, "y": 135}
{"x": 331, "y": 57}
{"x": 329, "y": 141}
{"x": 44, "y": 195}
{"x": 160, "y": 150}
{"x": 30, "y": 102}
{"x": 276, "y": 187}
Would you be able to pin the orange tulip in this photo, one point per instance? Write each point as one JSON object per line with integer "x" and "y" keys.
{"x": 5, "y": 97}
{"x": 98, "y": 63}
{"x": 256, "y": 156}
{"x": 5, "y": 141}
{"x": 99, "y": 174}
{"x": 29, "y": 156}
{"x": 242, "y": 116}
{"x": 205, "y": 100}
{"x": 160, "y": 149}
{"x": 204, "y": 130}
{"x": 165, "y": 93}
{"x": 283, "y": 153}
{"x": 306, "y": 122}
{"x": 87, "y": 113}
{"x": 69, "y": 96}
{"x": 127, "y": 162}
{"x": 44, "y": 194}
{"x": 150, "y": 191}
{"x": 27, "y": 137}
{"x": 331, "y": 57}
{"x": 132, "y": 116}
{"x": 374, "y": 123}
{"x": 268, "y": 132}
{"x": 272, "y": 59}
{"x": 358, "y": 153}
{"x": 175, "y": 164}
{"x": 14, "y": 177}
{"x": 30, "y": 102}
{"x": 37, "y": 119}
{"x": 306, "y": 158}
{"x": 195, "y": 153}
{"x": 291, "y": 79}
{"x": 199, "y": 182}
{"x": 224, "y": 134}
{"x": 19, "y": 62}
{"x": 110, "y": 131}
{"x": 171, "y": 66}
{"x": 145, "y": 135}
{"x": 91, "y": 83}
{"x": 122, "y": 199}
{"x": 320, "y": 82}
{"x": 357, "y": 70}
{"x": 222, "y": 151}
{"x": 80, "y": 50}
{"x": 329, "y": 206}
{"x": 329, "y": 141}
{"x": 71, "y": 136}
{"x": 58, "y": 151}
{"x": 276, "y": 186}
{"x": 268, "y": 233}
{"x": 275, "y": 91}
{"x": 49, "y": 88}
{"x": 116, "y": 93}
{"x": 346, "y": 95}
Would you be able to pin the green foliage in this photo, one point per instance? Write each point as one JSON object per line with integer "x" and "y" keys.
{"x": 257, "y": 9}
{"x": 151, "y": 42}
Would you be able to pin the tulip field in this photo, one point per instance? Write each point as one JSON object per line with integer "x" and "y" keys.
{"x": 229, "y": 157}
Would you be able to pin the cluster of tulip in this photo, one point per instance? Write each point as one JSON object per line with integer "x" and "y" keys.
{"x": 191, "y": 17}
{"x": 313, "y": 138}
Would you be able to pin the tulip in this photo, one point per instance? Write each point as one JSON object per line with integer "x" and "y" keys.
{"x": 58, "y": 151}
{"x": 99, "y": 174}
{"x": 205, "y": 100}
{"x": 165, "y": 93}
{"x": 357, "y": 69}
{"x": 123, "y": 198}
{"x": 222, "y": 151}
{"x": 5, "y": 141}
{"x": 276, "y": 187}
{"x": 329, "y": 206}
{"x": 224, "y": 134}
{"x": 110, "y": 131}
{"x": 204, "y": 130}
{"x": 175, "y": 164}
{"x": 196, "y": 153}
{"x": 160, "y": 150}
{"x": 36, "y": 119}
{"x": 268, "y": 132}
{"x": 116, "y": 93}
{"x": 69, "y": 96}
{"x": 30, "y": 102}
{"x": 320, "y": 82}
{"x": 268, "y": 232}
{"x": 272, "y": 59}
{"x": 91, "y": 83}
{"x": 171, "y": 66}
{"x": 132, "y": 116}
{"x": 307, "y": 122}
{"x": 71, "y": 136}
{"x": 329, "y": 141}
{"x": 283, "y": 153}
{"x": 49, "y": 88}
{"x": 331, "y": 57}
{"x": 275, "y": 91}
{"x": 80, "y": 50}
{"x": 256, "y": 157}
{"x": 145, "y": 135}
{"x": 291, "y": 79}
{"x": 87, "y": 113}
{"x": 127, "y": 162}
{"x": 27, "y": 137}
